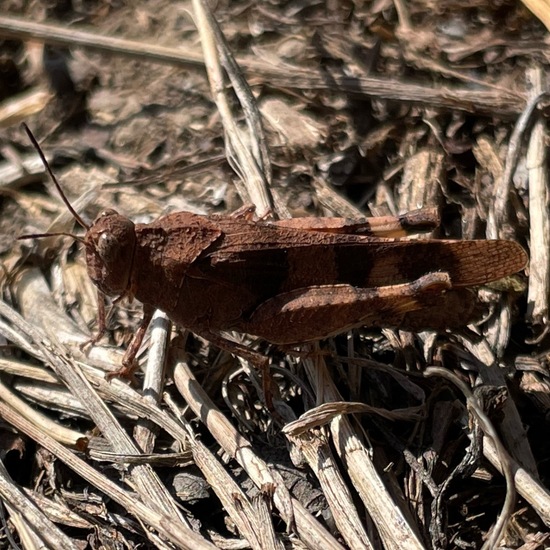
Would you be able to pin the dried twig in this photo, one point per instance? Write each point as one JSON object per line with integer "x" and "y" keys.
{"x": 504, "y": 458}
{"x": 250, "y": 151}
{"x": 450, "y": 97}
{"x": 539, "y": 266}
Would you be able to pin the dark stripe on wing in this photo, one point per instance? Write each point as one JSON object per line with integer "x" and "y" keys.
{"x": 281, "y": 259}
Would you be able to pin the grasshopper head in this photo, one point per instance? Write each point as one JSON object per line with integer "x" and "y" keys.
{"x": 110, "y": 243}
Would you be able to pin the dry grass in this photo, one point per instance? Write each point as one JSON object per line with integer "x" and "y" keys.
{"x": 378, "y": 439}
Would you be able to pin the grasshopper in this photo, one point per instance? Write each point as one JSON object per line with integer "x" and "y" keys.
{"x": 288, "y": 281}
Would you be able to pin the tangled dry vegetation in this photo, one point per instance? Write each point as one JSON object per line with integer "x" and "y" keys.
{"x": 378, "y": 438}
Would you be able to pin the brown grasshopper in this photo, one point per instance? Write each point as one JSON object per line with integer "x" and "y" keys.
{"x": 290, "y": 281}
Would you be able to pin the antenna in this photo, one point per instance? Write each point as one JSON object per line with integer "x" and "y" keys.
{"x": 56, "y": 183}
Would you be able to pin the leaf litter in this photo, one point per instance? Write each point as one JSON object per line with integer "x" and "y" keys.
{"x": 366, "y": 109}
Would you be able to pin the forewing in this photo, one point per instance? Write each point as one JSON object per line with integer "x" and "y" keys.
{"x": 275, "y": 259}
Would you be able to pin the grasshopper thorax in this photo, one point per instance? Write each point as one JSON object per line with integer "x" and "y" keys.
{"x": 110, "y": 245}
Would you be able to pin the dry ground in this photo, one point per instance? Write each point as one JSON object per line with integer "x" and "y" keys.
{"x": 368, "y": 109}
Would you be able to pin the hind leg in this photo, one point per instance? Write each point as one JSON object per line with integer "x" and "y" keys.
{"x": 318, "y": 312}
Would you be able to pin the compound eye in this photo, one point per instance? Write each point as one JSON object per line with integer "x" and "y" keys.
{"x": 108, "y": 247}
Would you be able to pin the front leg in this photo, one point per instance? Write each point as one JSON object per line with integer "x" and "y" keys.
{"x": 129, "y": 363}
{"x": 313, "y": 313}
